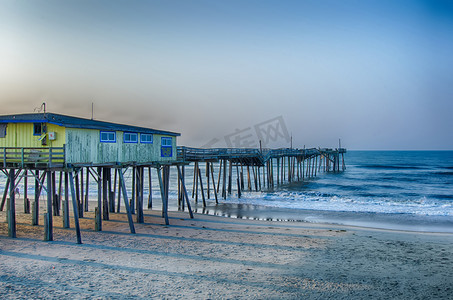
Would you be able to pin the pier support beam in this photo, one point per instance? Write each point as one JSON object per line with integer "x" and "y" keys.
{"x": 150, "y": 189}
{"x": 139, "y": 189}
{"x": 163, "y": 179}
{"x": 48, "y": 229}
{"x": 126, "y": 201}
{"x": 181, "y": 178}
{"x": 11, "y": 206}
{"x": 201, "y": 186}
{"x": 98, "y": 211}
{"x": 66, "y": 223}
{"x": 75, "y": 206}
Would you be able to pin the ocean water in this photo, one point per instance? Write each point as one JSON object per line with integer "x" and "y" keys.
{"x": 418, "y": 183}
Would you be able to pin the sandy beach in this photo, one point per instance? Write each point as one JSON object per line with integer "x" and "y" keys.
{"x": 212, "y": 257}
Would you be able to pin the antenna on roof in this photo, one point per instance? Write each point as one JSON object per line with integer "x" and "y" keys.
{"x": 92, "y": 110}
{"x": 41, "y": 108}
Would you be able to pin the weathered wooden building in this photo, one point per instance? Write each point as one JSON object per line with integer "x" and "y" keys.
{"x": 40, "y": 145}
{"x": 35, "y": 138}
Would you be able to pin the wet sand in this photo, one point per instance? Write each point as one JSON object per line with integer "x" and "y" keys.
{"x": 212, "y": 257}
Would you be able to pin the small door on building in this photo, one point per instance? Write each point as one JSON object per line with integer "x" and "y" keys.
{"x": 166, "y": 149}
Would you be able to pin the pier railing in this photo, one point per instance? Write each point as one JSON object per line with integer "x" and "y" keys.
{"x": 258, "y": 156}
{"x": 22, "y": 156}
{"x": 199, "y": 154}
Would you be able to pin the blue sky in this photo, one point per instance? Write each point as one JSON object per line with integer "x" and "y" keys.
{"x": 377, "y": 74}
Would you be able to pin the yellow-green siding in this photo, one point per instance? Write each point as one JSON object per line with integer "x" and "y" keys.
{"x": 84, "y": 146}
{"x": 21, "y": 135}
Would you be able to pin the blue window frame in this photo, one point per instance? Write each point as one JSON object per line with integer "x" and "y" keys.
{"x": 130, "y": 137}
{"x": 146, "y": 138}
{"x": 37, "y": 128}
{"x": 166, "y": 147}
{"x": 166, "y": 141}
{"x": 108, "y": 137}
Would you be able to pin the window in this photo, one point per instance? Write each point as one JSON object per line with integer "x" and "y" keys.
{"x": 146, "y": 138}
{"x": 166, "y": 141}
{"x": 166, "y": 149}
{"x": 108, "y": 136}
{"x": 37, "y": 128}
{"x": 3, "y": 130}
{"x": 130, "y": 137}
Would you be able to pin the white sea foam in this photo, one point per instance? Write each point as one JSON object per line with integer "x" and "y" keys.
{"x": 317, "y": 201}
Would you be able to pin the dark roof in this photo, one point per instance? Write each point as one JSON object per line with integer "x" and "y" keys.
{"x": 75, "y": 122}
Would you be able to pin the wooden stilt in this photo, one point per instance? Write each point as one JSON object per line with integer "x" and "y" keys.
{"x": 111, "y": 196}
{"x": 35, "y": 206}
{"x": 48, "y": 232}
{"x": 254, "y": 178}
{"x": 167, "y": 188}
{"x": 105, "y": 201}
{"x": 77, "y": 189}
{"x": 82, "y": 194}
{"x": 271, "y": 171}
{"x": 66, "y": 223}
{"x": 98, "y": 212}
{"x": 126, "y": 201}
{"x": 118, "y": 207}
{"x": 267, "y": 173}
{"x": 164, "y": 197}
{"x": 201, "y": 186}
{"x": 60, "y": 189}
{"x": 183, "y": 174}
{"x": 195, "y": 170}
{"x": 181, "y": 177}
{"x": 208, "y": 188}
{"x": 5, "y": 193}
{"x": 230, "y": 177}
{"x": 195, "y": 176}
{"x": 238, "y": 181}
{"x": 115, "y": 180}
{"x": 55, "y": 196}
{"x": 282, "y": 170}
{"x": 259, "y": 177}
{"x": 315, "y": 164}
{"x": 218, "y": 180}
{"x": 75, "y": 206}
{"x": 11, "y": 206}
{"x": 87, "y": 190}
{"x": 180, "y": 196}
{"x": 213, "y": 184}
{"x": 133, "y": 192}
{"x": 249, "y": 181}
{"x": 242, "y": 177}
{"x": 150, "y": 189}
{"x": 303, "y": 168}
{"x": 140, "y": 217}
{"x": 224, "y": 195}
{"x": 26, "y": 200}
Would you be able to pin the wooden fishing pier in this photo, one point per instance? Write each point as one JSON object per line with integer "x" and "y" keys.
{"x": 263, "y": 169}
{"x": 62, "y": 155}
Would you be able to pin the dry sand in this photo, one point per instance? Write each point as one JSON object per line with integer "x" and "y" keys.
{"x": 213, "y": 257}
